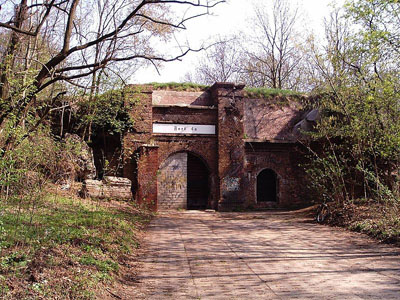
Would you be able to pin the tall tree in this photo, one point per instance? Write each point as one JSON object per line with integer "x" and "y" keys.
{"x": 361, "y": 103}
{"x": 80, "y": 44}
{"x": 221, "y": 63}
{"x": 272, "y": 56}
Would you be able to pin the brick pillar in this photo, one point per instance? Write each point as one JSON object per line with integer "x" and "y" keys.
{"x": 138, "y": 98}
{"x": 229, "y": 98}
{"x": 147, "y": 167}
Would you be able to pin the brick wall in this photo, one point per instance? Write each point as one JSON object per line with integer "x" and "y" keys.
{"x": 145, "y": 114}
{"x": 147, "y": 167}
{"x": 267, "y": 120}
{"x": 181, "y": 115}
{"x": 283, "y": 159}
{"x": 182, "y": 98}
{"x": 139, "y": 98}
{"x": 204, "y": 147}
{"x": 233, "y": 167}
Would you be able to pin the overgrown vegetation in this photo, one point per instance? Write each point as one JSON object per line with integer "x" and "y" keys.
{"x": 266, "y": 93}
{"x": 28, "y": 167}
{"x": 359, "y": 130}
{"x": 249, "y": 92}
{"x": 377, "y": 221}
{"x": 107, "y": 114}
{"x": 53, "y": 245}
{"x": 65, "y": 248}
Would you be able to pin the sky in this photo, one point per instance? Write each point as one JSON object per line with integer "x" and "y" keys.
{"x": 228, "y": 18}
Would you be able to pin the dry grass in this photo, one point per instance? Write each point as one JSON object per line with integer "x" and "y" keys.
{"x": 378, "y": 220}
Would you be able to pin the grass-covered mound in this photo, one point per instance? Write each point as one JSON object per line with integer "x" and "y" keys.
{"x": 179, "y": 87}
{"x": 65, "y": 247}
{"x": 249, "y": 92}
{"x": 265, "y": 93}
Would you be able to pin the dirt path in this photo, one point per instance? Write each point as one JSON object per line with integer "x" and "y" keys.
{"x": 200, "y": 255}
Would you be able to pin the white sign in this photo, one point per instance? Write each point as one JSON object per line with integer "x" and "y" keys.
{"x": 184, "y": 128}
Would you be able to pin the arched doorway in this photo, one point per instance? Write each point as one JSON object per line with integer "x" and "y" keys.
{"x": 183, "y": 182}
{"x": 267, "y": 184}
{"x": 197, "y": 183}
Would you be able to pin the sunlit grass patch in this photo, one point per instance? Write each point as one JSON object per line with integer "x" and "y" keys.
{"x": 81, "y": 239}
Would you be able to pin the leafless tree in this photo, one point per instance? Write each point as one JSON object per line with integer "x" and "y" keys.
{"x": 221, "y": 63}
{"x": 327, "y": 59}
{"x": 272, "y": 54}
{"x": 58, "y": 42}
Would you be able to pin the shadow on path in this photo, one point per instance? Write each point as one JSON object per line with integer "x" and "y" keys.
{"x": 199, "y": 255}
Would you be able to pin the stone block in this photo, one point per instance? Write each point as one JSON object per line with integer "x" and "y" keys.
{"x": 111, "y": 187}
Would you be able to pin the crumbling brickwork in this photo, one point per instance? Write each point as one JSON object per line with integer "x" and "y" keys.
{"x": 230, "y": 144}
{"x": 155, "y": 162}
{"x": 134, "y": 157}
{"x": 284, "y": 160}
{"x": 147, "y": 168}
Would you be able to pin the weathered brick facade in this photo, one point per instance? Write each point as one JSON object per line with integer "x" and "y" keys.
{"x": 229, "y": 99}
{"x": 284, "y": 160}
{"x": 211, "y": 146}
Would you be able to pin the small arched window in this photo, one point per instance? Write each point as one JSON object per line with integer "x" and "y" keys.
{"x": 267, "y": 186}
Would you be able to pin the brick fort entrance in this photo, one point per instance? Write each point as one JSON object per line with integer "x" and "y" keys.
{"x": 213, "y": 148}
{"x": 183, "y": 182}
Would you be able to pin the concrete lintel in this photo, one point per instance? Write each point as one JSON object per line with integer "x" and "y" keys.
{"x": 184, "y": 135}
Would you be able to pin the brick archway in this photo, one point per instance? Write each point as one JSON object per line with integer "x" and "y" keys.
{"x": 183, "y": 181}
{"x": 267, "y": 186}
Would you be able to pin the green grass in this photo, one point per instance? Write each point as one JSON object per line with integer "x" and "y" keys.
{"x": 249, "y": 92}
{"x": 63, "y": 237}
{"x": 105, "y": 266}
{"x": 269, "y": 93}
{"x": 176, "y": 86}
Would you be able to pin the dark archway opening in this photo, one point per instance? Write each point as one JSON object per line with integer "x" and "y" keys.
{"x": 197, "y": 183}
{"x": 267, "y": 186}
